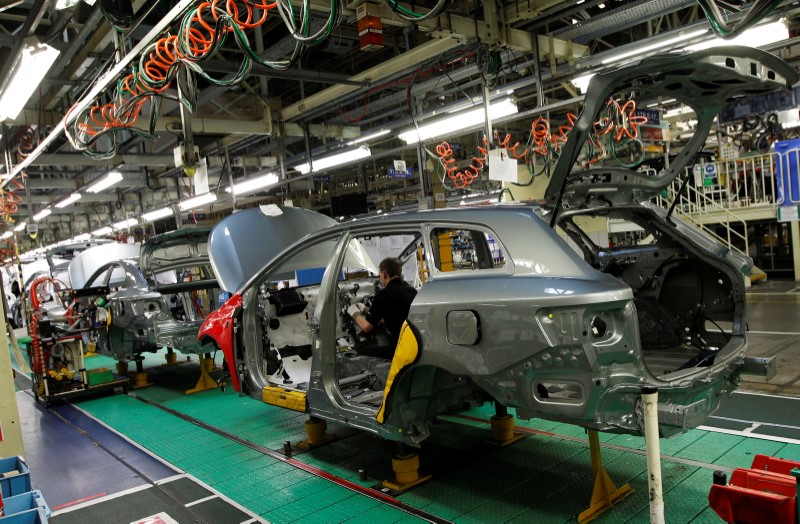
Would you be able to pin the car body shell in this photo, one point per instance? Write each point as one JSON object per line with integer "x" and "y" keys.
{"x": 142, "y": 304}
{"x": 549, "y": 333}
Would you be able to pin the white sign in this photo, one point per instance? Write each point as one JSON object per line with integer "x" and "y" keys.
{"x": 399, "y": 165}
{"x": 789, "y": 214}
{"x": 502, "y": 167}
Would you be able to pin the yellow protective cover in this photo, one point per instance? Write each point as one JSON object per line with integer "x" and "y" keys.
{"x": 405, "y": 354}
{"x": 285, "y": 398}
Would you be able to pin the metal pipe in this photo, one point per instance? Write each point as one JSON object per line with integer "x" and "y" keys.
{"x": 653, "y": 448}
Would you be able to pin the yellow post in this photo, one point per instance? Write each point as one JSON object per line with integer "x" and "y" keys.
{"x": 11, "y": 443}
{"x": 604, "y": 494}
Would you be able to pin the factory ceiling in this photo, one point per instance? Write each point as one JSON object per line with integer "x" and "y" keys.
{"x": 137, "y": 86}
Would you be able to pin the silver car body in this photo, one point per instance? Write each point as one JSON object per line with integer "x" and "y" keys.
{"x": 539, "y": 328}
{"x": 149, "y": 307}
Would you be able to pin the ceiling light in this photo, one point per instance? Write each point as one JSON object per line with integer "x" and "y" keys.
{"x": 20, "y": 226}
{"x": 6, "y": 235}
{"x": 191, "y": 203}
{"x": 335, "y": 160}
{"x": 254, "y": 184}
{"x": 582, "y": 82}
{"x": 663, "y": 102}
{"x": 642, "y": 50}
{"x": 370, "y": 136}
{"x": 678, "y": 111}
{"x": 158, "y": 213}
{"x": 34, "y": 62}
{"x": 453, "y": 124}
{"x": 122, "y": 224}
{"x": 102, "y": 231}
{"x": 41, "y": 214}
{"x": 754, "y": 37}
{"x": 74, "y": 197}
{"x": 104, "y": 183}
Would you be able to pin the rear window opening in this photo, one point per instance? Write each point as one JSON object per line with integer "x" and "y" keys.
{"x": 685, "y": 305}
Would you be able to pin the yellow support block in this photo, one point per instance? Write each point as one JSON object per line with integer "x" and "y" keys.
{"x": 605, "y": 494}
{"x": 205, "y": 382}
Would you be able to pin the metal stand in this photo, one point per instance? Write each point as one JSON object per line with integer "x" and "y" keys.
{"x": 605, "y": 494}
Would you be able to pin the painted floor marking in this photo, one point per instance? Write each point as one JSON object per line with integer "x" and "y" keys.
{"x": 754, "y": 426}
{"x": 760, "y": 394}
{"x": 103, "y": 499}
{"x": 200, "y": 501}
{"x": 743, "y": 421}
{"x": 749, "y": 435}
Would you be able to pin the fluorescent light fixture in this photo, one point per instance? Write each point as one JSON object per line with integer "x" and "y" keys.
{"x": 74, "y": 197}
{"x": 158, "y": 213}
{"x": 102, "y": 231}
{"x": 34, "y": 62}
{"x": 82, "y": 237}
{"x": 6, "y": 235}
{"x": 678, "y": 111}
{"x": 254, "y": 184}
{"x": 41, "y": 214}
{"x": 336, "y": 160}
{"x": 370, "y": 136}
{"x": 455, "y": 123}
{"x": 191, "y": 203}
{"x": 641, "y": 50}
{"x": 20, "y": 226}
{"x": 663, "y": 102}
{"x": 582, "y": 82}
{"x": 754, "y": 37}
{"x": 122, "y": 224}
{"x": 107, "y": 181}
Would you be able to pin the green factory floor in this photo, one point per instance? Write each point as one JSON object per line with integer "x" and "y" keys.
{"x": 543, "y": 478}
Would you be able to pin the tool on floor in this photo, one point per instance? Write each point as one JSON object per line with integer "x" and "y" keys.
{"x": 767, "y": 492}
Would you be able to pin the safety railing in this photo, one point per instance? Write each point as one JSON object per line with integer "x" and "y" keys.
{"x": 701, "y": 210}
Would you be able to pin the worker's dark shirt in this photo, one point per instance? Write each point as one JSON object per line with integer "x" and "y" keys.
{"x": 392, "y": 304}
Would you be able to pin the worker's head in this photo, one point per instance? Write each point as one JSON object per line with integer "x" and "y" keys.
{"x": 389, "y": 268}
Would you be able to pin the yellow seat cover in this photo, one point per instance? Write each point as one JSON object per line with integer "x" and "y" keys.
{"x": 404, "y": 354}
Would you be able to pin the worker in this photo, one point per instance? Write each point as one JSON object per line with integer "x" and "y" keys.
{"x": 389, "y": 307}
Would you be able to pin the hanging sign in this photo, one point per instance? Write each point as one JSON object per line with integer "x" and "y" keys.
{"x": 399, "y": 170}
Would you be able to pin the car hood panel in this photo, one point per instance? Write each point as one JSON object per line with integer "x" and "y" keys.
{"x": 242, "y": 243}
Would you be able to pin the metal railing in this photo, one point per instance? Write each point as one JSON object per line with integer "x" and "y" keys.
{"x": 693, "y": 203}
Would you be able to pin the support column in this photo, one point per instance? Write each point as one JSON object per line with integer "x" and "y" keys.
{"x": 796, "y": 249}
{"x": 11, "y": 438}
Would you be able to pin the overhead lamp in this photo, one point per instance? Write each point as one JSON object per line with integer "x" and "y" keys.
{"x": 158, "y": 213}
{"x": 254, "y": 184}
{"x": 102, "y": 231}
{"x": 458, "y": 121}
{"x": 107, "y": 181}
{"x": 6, "y": 235}
{"x": 191, "y": 203}
{"x": 582, "y": 82}
{"x": 41, "y": 214}
{"x": 369, "y": 137}
{"x": 759, "y": 36}
{"x": 123, "y": 224}
{"x": 639, "y": 50}
{"x": 20, "y": 226}
{"x": 338, "y": 159}
{"x": 82, "y": 237}
{"x": 74, "y": 197}
{"x": 682, "y": 110}
{"x": 35, "y": 60}
{"x": 663, "y": 102}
